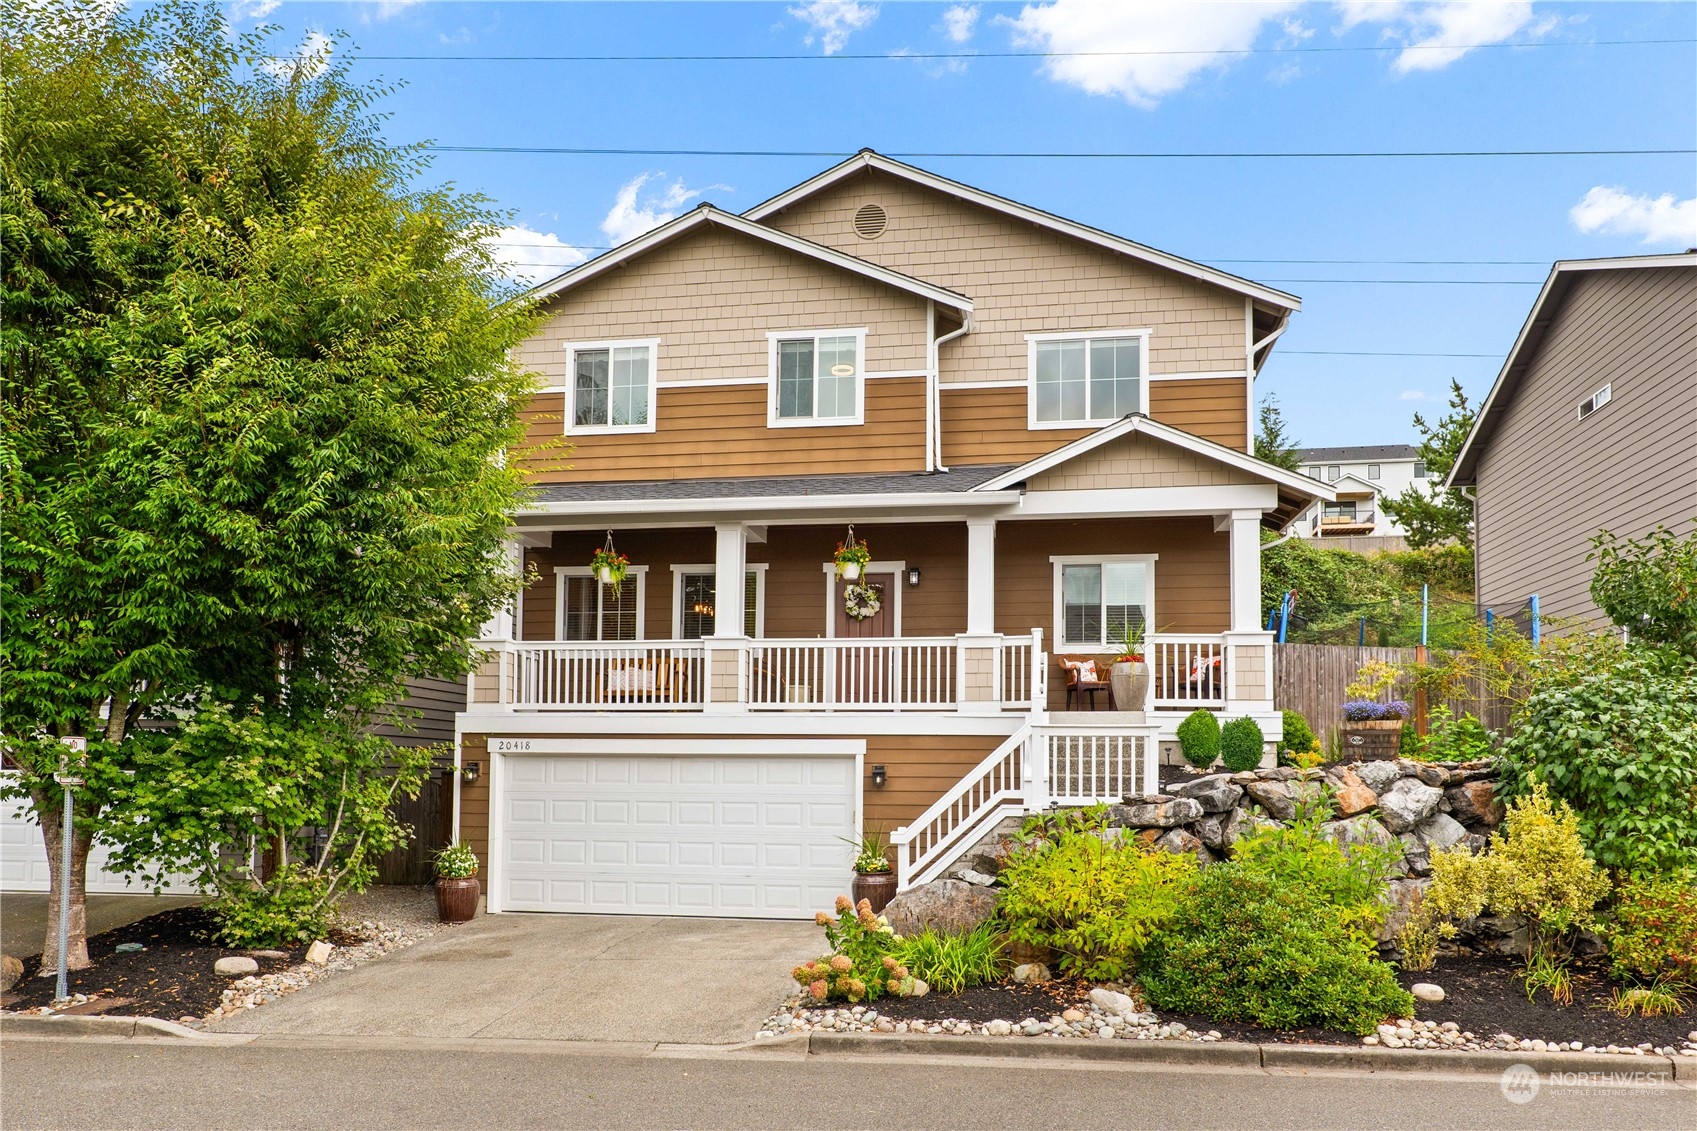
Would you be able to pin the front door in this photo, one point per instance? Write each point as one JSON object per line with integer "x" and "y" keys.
{"x": 864, "y": 673}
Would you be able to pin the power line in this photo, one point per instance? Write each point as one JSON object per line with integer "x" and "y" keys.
{"x": 1148, "y": 155}
{"x": 1380, "y": 353}
{"x": 1197, "y": 259}
{"x": 846, "y": 57}
{"x": 1424, "y": 282}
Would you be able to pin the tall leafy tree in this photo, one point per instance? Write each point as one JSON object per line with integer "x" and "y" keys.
{"x": 257, "y": 384}
{"x": 1273, "y": 442}
{"x": 1434, "y": 514}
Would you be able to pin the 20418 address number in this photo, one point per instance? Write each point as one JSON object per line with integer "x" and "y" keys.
{"x": 509, "y": 745}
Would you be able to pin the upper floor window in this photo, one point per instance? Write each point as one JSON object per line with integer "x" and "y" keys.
{"x": 1419, "y": 469}
{"x": 1332, "y": 473}
{"x": 612, "y": 386}
{"x": 1087, "y": 378}
{"x": 816, "y": 377}
{"x": 1372, "y": 471}
{"x": 1595, "y": 401}
{"x": 1098, "y": 599}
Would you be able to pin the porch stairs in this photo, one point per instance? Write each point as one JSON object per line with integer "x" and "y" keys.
{"x": 1039, "y": 766}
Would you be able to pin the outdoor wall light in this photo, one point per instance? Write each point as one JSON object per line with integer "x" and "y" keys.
{"x": 879, "y": 777}
{"x": 472, "y": 771}
{"x": 913, "y": 576}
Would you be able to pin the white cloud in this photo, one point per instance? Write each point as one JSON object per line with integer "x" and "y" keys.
{"x": 1616, "y": 212}
{"x": 528, "y": 256}
{"x": 635, "y": 212}
{"x": 1210, "y": 31}
{"x": 833, "y": 21}
{"x": 1412, "y": 395}
{"x": 960, "y": 21}
{"x": 1438, "y": 34}
{"x": 384, "y": 9}
{"x": 253, "y": 9}
{"x": 307, "y": 61}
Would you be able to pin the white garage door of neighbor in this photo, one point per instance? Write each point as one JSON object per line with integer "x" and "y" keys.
{"x": 23, "y": 859}
{"x": 748, "y": 836}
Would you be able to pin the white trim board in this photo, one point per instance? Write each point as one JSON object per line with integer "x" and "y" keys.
{"x": 869, "y": 159}
{"x": 503, "y": 720}
{"x": 707, "y": 214}
{"x": 706, "y": 747}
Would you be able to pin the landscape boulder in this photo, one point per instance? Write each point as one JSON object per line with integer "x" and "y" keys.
{"x": 1214, "y": 793}
{"x": 235, "y": 966}
{"x": 1164, "y": 814}
{"x": 1407, "y": 803}
{"x": 1440, "y": 831}
{"x": 1353, "y": 831}
{"x": 10, "y": 971}
{"x": 1182, "y": 842}
{"x": 1353, "y": 796}
{"x": 1378, "y": 776}
{"x": 951, "y": 907}
{"x": 1400, "y": 900}
{"x": 1475, "y": 804}
{"x": 1274, "y": 798}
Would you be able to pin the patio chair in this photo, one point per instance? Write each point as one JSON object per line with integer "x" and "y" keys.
{"x": 1083, "y": 678}
{"x": 1203, "y": 679}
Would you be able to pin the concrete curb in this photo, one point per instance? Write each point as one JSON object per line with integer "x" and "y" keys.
{"x": 1230, "y": 1054}
{"x": 35, "y": 1025}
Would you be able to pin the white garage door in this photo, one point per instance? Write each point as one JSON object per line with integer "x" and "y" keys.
{"x": 23, "y": 859}
{"x": 750, "y": 836}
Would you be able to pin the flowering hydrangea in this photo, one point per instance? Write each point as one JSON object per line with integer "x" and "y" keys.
{"x": 1369, "y": 710}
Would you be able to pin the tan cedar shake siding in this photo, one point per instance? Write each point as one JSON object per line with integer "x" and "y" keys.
{"x": 1548, "y": 481}
{"x": 474, "y": 801}
{"x": 1028, "y": 280}
{"x": 1139, "y": 461}
{"x": 711, "y": 297}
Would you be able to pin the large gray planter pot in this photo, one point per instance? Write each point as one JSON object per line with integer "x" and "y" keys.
{"x": 1131, "y": 686}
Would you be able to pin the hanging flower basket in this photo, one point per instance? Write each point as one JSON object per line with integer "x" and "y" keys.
{"x": 852, "y": 558}
{"x": 862, "y": 601}
{"x": 609, "y": 566}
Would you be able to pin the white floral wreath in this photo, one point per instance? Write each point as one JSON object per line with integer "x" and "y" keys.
{"x": 862, "y": 601}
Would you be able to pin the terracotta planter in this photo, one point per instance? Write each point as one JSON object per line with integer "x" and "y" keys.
{"x": 1130, "y": 683}
{"x": 877, "y": 888}
{"x": 456, "y": 899}
{"x": 1371, "y": 740}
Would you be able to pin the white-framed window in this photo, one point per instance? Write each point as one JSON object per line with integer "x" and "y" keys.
{"x": 1419, "y": 469}
{"x": 1332, "y": 473}
{"x": 1092, "y": 377}
{"x": 610, "y": 386}
{"x": 816, "y": 377}
{"x": 1373, "y": 471}
{"x": 695, "y": 601}
{"x": 585, "y": 609}
{"x": 1596, "y": 401}
{"x": 1313, "y": 472}
{"x": 1098, "y": 596}
{"x": 1343, "y": 510}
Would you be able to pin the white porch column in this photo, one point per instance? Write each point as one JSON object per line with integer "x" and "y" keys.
{"x": 725, "y": 647}
{"x": 503, "y": 625}
{"x": 980, "y": 576}
{"x": 1246, "y": 571}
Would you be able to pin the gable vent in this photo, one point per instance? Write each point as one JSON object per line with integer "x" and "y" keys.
{"x": 869, "y": 221}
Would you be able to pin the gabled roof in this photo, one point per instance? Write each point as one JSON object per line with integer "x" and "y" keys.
{"x": 1538, "y": 322}
{"x": 868, "y": 159}
{"x": 708, "y": 214}
{"x": 1355, "y": 483}
{"x": 1137, "y": 423}
{"x": 1358, "y": 453}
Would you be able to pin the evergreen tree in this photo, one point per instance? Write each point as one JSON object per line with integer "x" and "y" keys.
{"x": 1273, "y": 443}
{"x": 1434, "y": 514}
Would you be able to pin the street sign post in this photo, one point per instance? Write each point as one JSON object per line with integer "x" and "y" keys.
{"x": 77, "y": 745}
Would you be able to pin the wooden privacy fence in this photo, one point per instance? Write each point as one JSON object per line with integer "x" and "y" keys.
{"x": 1310, "y": 679}
{"x": 431, "y": 817}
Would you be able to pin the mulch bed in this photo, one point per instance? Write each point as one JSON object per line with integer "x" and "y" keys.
{"x": 170, "y": 977}
{"x": 1486, "y": 996}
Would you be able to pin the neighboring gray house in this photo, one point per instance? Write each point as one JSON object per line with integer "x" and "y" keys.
{"x": 1592, "y": 424}
{"x": 1363, "y": 476}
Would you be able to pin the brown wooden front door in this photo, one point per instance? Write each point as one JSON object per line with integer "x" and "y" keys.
{"x": 864, "y": 675}
{"x": 880, "y": 623}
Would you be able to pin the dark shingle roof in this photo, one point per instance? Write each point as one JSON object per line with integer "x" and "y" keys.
{"x": 899, "y": 483}
{"x": 1369, "y": 451}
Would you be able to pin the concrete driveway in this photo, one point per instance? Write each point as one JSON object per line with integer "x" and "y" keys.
{"x": 23, "y": 916}
{"x": 560, "y": 978}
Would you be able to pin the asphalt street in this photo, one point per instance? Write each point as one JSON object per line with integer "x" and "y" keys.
{"x": 317, "y": 1083}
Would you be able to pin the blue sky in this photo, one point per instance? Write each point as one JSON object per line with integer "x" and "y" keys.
{"x": 1257, "y": 77}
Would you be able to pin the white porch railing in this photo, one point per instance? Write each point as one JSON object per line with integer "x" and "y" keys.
{"x": 599, "y": 676}
{"x": 907, "y": 674}
{"x": 1188, "y": 670}
{"x": 1037, "y": 767}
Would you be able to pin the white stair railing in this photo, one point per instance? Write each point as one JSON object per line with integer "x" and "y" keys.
{"x": 993, "y": 789}
{"x": 1088, "y": 765}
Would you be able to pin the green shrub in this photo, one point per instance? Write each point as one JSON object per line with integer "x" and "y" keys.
{"x": 1299, "y": 737}
{"x": 1649, "y": 585}
{"x": 1094, "y": 898}
{"x": 1616, "y": 739}
{"x": 1246, "y": 946}
{"x": 1199, "y": 738}
{"x": 1240, "y": 744}
{"x": 1536, "y": 868}
{"x": 289, "y": 909}
{"x": 861, "y": 965}
{"x": 1450, "y": 739}
{"x": 1301, "y": 854}
{"x": 1652, "y": 929}
{"x": 951, "y": 963}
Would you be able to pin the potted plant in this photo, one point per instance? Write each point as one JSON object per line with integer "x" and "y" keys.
{"x": 609, "y": 566}
{"x": 852, "y": 557}
{"x": 457, "y": 888}
{"x": 874, "y": 879}
{"x": 1372, "y": 730}
{"x": 1129, "y": 675}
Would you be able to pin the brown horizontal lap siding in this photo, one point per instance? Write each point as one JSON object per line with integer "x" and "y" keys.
{"x": 474, "y": 800}
{"x": 1192, "y": 576}
{"x": 919, "y": 769}
{"x": 1214, "y": 409}
{"x": 990, "y": 426}
{"x": 721, "y": 431}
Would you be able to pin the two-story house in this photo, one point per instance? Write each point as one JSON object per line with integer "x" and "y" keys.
{"x": 1362, "y": 476}
{"x": 1040, "y": 430}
